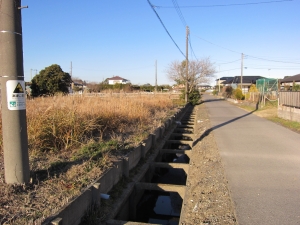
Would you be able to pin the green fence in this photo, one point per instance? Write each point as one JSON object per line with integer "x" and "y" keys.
{"x": 268, "y": 87}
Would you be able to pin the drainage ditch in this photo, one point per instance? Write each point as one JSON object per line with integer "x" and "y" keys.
{"x": 156, "y": 194}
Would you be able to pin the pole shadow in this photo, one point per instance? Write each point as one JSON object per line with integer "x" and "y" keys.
{"x": 208, "y": 131}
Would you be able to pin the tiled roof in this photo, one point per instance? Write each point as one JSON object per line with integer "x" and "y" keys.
{"x": 224, "y": 78}
{"x": 116, "y": 78}
{"x": 295, "y": 78}
{"x": 246, "y": 79}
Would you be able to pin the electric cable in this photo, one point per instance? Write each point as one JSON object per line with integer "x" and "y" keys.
{"x": 192, "y": 47}
{"x": 270, "y": 60}
{"x": 231, "y": 61}
{"x": 227, "y": 5}
{"x": 176, "y": 6}
{"x": 152, "y": 6}
{"x": 183, "y": 21}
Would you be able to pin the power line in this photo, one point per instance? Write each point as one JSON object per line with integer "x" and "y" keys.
{"x": 274, "y": 64}
{"x": 176, "y": 6}
{"x": 227, "y": 5}
{"x": 152, "y": 6}
{"x": 192, "y": 47}
{"x": 228, "y": 70}
{"x": 246, "y": 55}
{"x": 273, "y": 68}
{"x": 270, "y": 60}
{"x": 231, "y": 61}
{"x": 217, "y": 45}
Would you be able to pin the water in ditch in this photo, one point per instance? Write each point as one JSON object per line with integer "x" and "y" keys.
{"x": 159, "y": 208}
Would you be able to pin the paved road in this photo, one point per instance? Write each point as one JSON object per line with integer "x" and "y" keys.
{"x": 262, "y": 164}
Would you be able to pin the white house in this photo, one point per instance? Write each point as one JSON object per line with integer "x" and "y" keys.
{"x": 117, "y": 80}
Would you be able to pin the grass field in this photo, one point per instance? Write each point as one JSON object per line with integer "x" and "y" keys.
{"x": 72, "y": 140}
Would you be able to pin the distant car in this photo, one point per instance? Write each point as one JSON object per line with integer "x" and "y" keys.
{"x": 209, "y": 91}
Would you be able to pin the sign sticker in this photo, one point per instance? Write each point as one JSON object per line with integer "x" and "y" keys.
{"x": 16, "y": 95}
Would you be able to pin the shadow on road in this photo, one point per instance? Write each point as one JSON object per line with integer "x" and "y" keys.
{"x": 207, "y": 132}
{"x": 212, "y": 100}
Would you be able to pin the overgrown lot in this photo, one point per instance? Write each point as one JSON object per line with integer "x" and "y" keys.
{"x": 72, "y": 140}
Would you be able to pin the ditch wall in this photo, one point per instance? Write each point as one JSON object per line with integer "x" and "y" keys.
{"x": 72, "y": 213}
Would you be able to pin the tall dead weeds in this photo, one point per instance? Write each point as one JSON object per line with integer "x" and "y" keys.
{"x": 72, "y": 140}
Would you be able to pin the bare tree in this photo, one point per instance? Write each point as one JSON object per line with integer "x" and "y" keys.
{"x": 199, "y": 72}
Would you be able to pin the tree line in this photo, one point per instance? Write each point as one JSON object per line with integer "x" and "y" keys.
{"x": 53, "y": 79}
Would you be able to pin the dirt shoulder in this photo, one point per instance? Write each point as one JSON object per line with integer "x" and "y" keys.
{"x": 207, "y": 199}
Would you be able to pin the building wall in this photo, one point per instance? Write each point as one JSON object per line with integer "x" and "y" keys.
{"x": 114, "y": 82}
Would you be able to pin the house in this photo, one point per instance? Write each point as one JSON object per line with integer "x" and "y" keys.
{"x": 117, "y": 80}
{"x": 178, "y": 87}
{"x": 246, "y": 82}
{"x": 204, "y": 87}
{"x": 288, "y": 81}
{"x": 77, "y": 85}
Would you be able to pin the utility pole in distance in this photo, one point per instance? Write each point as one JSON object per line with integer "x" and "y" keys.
{"x": 242, "y": 70}
{"x": 155, "y": 75}
{"x": 13, "y": 96}
{"x": 187, "y": 64}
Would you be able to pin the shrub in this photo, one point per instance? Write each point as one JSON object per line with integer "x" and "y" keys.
{"x": 296, "y": 87}
{"x": 253, "y": 88}
{"x": 228, "y": 92}
{"x": 194, "y": 97}
{"x": 238, "y": 94}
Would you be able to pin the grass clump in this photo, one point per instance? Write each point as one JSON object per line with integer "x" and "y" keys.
{"x": 293, "y": 125}
{"x": 95, "y": 150}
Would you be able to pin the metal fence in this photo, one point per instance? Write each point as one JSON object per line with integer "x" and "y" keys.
{"x": 289, "y": 98}
{"x": 268, "y": 88}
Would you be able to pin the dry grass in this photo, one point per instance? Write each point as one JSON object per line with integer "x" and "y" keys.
{"x": 269, "y": 111}
{"x": 72, "y": 140}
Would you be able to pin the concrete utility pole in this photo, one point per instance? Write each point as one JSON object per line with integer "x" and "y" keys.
{"x": 187, "y": 64}
{"x": 155, "y": 75}
{"x": 13, "y": 95}
{"x": 242, "y": 70}
{"x": 31, "y": 73}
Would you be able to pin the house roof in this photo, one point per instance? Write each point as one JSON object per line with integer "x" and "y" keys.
{"x": 229, "y": 81}
{"x": 295, "y": 78}
{"x": 224, "y": 78}
{"x": 246, "y": 79}
{"x": 116, "y": 78}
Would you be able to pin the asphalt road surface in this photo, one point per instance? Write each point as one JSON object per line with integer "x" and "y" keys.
{"x": 262, "y": 164}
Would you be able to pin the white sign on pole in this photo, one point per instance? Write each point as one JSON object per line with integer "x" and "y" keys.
{"x": 16, "y": 94}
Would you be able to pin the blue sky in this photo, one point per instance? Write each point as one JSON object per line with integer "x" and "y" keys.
{"x": 105, "y": 38}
